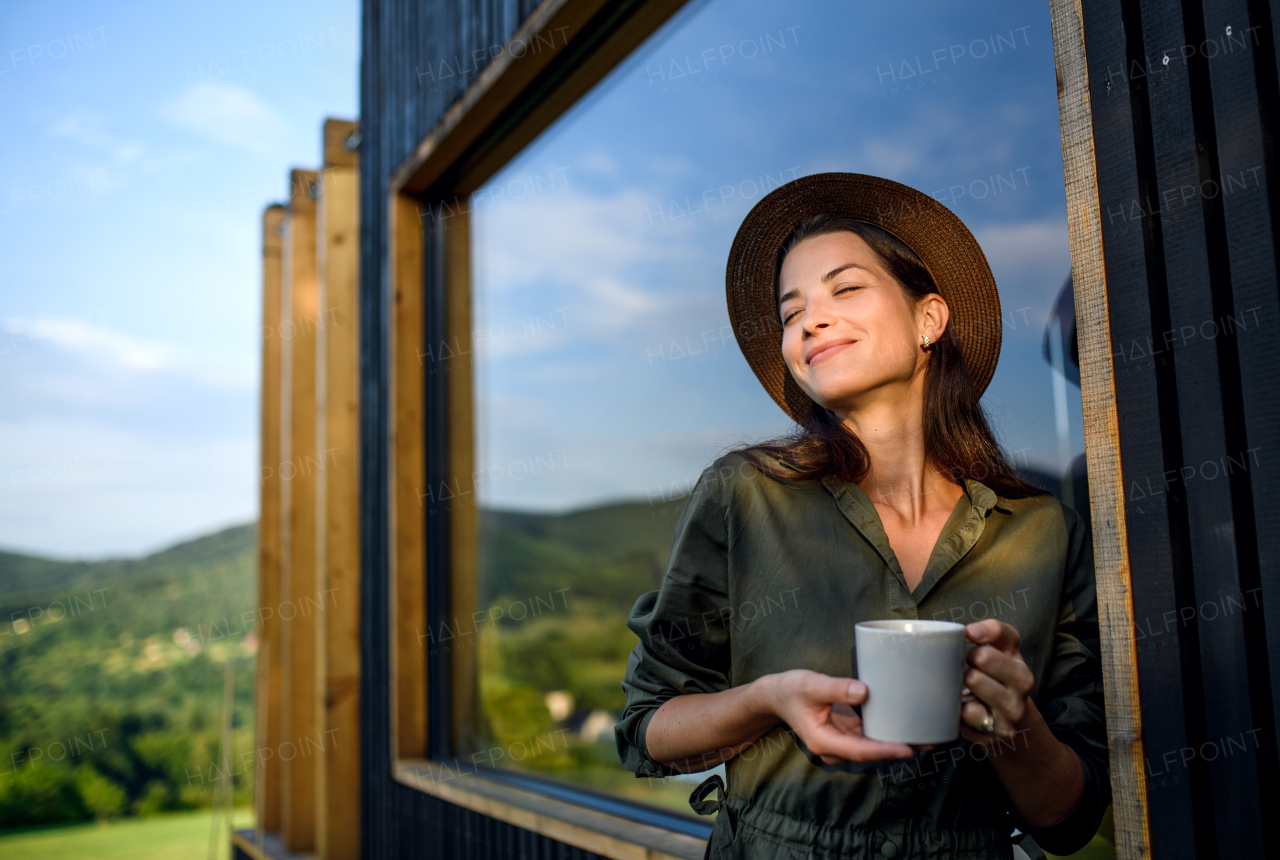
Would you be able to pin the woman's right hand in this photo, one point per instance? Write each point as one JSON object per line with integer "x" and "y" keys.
{"x": 818, "y": 708}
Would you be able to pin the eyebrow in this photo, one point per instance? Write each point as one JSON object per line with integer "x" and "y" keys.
{"x": 792, "y": 294}
{"x": 838, "y": 269}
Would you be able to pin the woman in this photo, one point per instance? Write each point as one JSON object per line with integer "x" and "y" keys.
{"x": 870, "y": 315}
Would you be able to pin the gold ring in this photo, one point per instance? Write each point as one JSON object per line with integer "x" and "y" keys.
{"x": 988, "y": 724}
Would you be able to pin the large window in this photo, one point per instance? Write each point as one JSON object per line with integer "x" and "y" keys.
{"x": 606, "y": 374}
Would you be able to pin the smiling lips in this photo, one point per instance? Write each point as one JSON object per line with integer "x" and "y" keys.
{"x": 827, "y": 350}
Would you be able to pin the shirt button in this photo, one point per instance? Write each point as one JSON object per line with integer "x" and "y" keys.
{"x": 889, "y": 849}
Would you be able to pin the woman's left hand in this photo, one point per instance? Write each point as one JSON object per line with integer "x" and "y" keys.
{"x": 1000, "y": 680}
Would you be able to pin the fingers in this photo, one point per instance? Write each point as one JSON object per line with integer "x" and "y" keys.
{"x": 822, "y": 716}
{"x": 855, "y": 692}
{"x": 825, "y": 689}
{"x": 1009, "y": 670}
{"x": 846, "y": 720}
{"x": 843, "y": 691}
{"x": 973, "y": 714}
{"x": 996, "y": 633}
{"x": 826, "y": 742}
{"x": 999, "y": 698}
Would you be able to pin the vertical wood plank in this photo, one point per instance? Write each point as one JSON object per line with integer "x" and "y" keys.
{"x": 299, "y": 604}
{"x": 1218, "y": 532}
{"x": 406, "y": 467}
{"x": 1168, "y": 662}
{"x": 464, "y": 513}
{"x": 1246, "y": 95}
{"x": 267, "y": 793}
{"x": 338, "y": 501}
{"x": 1106, "y": 476}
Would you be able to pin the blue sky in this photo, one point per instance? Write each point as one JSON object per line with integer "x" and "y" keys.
{"x": 600, "y": 251}
{"x": 142, "y": 141}
{"x": 144, "y": 138}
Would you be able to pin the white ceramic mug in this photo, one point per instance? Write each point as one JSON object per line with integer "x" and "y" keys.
{"x": 914, "y": 672}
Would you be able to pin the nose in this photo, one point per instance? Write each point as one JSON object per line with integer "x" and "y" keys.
{"x": 816, "y": 317}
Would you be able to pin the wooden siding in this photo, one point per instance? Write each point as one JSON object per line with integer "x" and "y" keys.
{"x": 1101, "y": 412}
{"x": 1181, "y": 96}
{"x": 1184, "y": 112}
{"x": 400, "y": 104}
{"x": 417, "y": 438}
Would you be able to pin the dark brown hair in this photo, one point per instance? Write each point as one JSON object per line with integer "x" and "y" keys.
{"x": 957, "y": 438}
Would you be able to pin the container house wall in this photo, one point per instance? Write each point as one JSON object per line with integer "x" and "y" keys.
{"x": 1183, "y": 96}
{"x": 416, "y": 60}
{"x": 1185, "y": 109}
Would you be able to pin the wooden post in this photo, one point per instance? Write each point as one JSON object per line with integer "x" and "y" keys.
{"x": 300, "y": 603}
{"x": 1102, "y": 436}
{"x": 338, "y": 499}
{"x": 267, "y": 792}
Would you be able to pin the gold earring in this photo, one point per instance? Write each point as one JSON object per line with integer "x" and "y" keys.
{"x": 926, "y": 341}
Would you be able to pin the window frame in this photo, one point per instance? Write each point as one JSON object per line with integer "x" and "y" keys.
{"x": 431, "y": 439}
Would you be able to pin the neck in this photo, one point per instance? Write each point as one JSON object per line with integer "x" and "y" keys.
{"x": 890, "y": 424}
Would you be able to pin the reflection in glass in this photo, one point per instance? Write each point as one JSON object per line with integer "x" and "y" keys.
{"x": 606, "y": 373}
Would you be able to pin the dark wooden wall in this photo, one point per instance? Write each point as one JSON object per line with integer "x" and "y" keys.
{"x": 1188, "y": 184}
{"x": 1189, "y": 203}
{"x": 405, "y": 43}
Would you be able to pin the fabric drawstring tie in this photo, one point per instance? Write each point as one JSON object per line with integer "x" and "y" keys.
{"x": 698, "y": 800}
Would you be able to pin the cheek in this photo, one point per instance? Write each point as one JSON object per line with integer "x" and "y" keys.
{"x": 791, "y": 346}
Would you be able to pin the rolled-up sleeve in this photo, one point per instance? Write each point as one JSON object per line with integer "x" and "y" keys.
{"x": 1071, "y": 696}
{"x": 683, "y": 626}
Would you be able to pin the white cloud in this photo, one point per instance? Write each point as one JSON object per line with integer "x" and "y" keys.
{"x": 891, "y": 158}
{"x": 231, "y": 115}
{"x": 80, "y": 488}
{"x": 1026, "y": 244}
{"x": 597, "y": 251}
{"x": 1030, "y": 261}
{"x": 106, "y": 348}
{"x": 79, "y": 336}
{"x": 87, "y": 128}
{"x": 599, "y": 161}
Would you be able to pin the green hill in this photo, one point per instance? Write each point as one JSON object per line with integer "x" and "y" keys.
{"x": 610, "y": 553}
{"x": 111, "y": 677}
{"x": 578, "y": 575}
{"x": 111, "y": 672}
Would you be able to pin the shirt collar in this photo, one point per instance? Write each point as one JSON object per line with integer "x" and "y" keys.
{"x": 961, "y": 532}
{"x": 984, "y": 497}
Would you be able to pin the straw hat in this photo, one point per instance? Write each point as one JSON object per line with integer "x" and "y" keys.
{"x": 941, "y": 241}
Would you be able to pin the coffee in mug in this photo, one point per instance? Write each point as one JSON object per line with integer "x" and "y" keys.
{"x": 914, "y": 672}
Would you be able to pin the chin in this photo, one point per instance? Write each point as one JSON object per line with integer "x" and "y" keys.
{"x": 845, "y": 389}
{"x": 834, "y": 395}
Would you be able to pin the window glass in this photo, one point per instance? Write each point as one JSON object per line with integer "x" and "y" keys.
{"x": 606, "y": 374}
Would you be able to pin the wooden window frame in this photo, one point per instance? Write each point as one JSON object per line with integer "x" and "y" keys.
{"x": 508, "y": 105}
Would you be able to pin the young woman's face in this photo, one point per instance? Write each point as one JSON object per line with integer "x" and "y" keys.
{"x": 848, "y": 328}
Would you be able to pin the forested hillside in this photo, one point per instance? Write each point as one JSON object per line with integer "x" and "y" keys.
{"x": 112, "y": 677}
{"x": 112, "y": 672}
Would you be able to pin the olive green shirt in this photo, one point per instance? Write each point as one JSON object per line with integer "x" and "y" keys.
{"x": 768, "y": 575}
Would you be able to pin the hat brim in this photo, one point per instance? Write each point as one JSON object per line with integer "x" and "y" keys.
{"x": 941, "y": 241}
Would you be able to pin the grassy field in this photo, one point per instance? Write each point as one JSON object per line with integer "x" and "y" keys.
{"x": 175, "y": 836}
